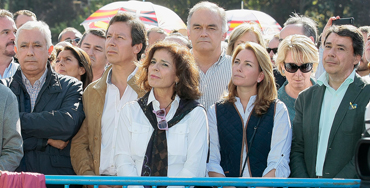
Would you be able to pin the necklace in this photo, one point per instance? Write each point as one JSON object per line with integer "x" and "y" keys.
{"x": 168, "y": 105}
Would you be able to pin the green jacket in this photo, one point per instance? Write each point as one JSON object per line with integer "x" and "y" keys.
{"x": 346, "y": 130}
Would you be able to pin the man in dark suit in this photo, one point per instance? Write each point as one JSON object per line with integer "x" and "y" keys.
{"x": 330, "y": 115}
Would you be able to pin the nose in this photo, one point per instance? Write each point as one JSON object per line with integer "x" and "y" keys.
{"x": 204, "y": 32}
{"x": 110, "y": 41}
{"x": 30, "y": 51}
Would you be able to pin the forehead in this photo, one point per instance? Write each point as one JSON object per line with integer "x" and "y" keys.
{"x": 68, "y": 34}
{"x": 93, "y": 39}
{"x": 120, "y": 28}
{"x": 31, "y": 36}
{"x": 336, "y": 39}
{"x": 205, "y": 16}
{"x": 6, "y": 23}
{"x": 247, "y": 55}
{"x": 24, "y": 18}
{"x": 293, "y": 29}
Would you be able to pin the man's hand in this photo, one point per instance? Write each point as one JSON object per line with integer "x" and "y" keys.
{"x": 60, "y": 144}
{"x": 327, "y": 26}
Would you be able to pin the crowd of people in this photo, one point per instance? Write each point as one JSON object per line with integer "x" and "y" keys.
{"x": 130, "y": 102}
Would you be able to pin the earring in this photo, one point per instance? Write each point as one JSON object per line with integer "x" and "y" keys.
{"x": 283, "y": 71}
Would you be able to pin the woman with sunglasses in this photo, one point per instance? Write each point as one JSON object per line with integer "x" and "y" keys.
{"x": 250, "y": 132}
{"x": 244, "y": 33}
{"x": 164, "y": 133}
{"x": 297, "y": 59}
{"x": 73, "y": 61}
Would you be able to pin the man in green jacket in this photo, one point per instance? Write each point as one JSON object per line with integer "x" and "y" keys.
{"x": 330, "y": 115}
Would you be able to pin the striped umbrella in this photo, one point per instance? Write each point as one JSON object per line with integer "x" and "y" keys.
{"x": 268, "y": 25}
{"x": 150, "y": 14}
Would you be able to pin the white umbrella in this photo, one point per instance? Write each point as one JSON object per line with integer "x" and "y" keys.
{"x": 268, "y": 25}
{"x": 150, "y": 14}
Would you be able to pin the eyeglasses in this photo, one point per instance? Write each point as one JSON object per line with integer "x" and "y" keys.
{"x": 76, "y": 40}
{"x": 273, "y": 50}
{"x": 162, "y": 123}
{"x": 292, "y": 67}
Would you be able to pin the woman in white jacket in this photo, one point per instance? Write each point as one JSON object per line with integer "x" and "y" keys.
{"x": 164, "y": 133}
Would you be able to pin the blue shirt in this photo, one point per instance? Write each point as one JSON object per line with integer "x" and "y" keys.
{"x": 10, "y": 70}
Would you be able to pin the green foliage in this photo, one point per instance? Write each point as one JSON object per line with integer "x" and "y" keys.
{"x": 59, "y": 14}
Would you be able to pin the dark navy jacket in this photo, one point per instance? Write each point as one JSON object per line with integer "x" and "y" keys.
{"x": 258, "y": 135}
{"x": 58, "y": 114}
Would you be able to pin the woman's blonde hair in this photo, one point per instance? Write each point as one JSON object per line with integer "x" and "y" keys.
{"x": 266, "y": 89}
{"x": 302, "y": 49}
{"x": 241, "y": 30}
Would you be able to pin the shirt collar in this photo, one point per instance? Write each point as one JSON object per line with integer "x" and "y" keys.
{"x": 109, "y": 78}
{"x": 153, "y": 100}
{"x": 39, "y": 81}
{"x": 324, "y": 79}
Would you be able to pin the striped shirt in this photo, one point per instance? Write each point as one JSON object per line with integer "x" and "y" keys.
{"x": 213, "y": 83}
{"x": 33, "y": 90}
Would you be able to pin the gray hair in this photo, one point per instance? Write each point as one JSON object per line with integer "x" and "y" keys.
{"x": 210, "y": 6}
{"x": 309, "y": 25}
{"x": 39, "y": 25}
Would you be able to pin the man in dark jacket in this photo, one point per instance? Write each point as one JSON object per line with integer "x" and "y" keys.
{"x": 50, "y": 105}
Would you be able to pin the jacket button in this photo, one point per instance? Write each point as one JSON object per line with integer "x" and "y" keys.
{"x": 95, "y": 161}
{"x": 96, "y": 138}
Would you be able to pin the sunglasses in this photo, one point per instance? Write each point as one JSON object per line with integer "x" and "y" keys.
{"x": 292, "y": 67}
{"x": 76, "y": 40}
{"x": 162, "y": 123}
{"x": 274, "y": 50}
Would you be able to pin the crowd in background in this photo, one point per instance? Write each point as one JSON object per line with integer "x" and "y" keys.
{"x": 127, "y": 101}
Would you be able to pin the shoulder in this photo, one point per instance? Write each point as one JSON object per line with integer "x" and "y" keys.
{"x": 6, "y": 92}
{"x": 65, "y": 81}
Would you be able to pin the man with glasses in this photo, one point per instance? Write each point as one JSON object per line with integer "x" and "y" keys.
{"x": 329, "y": 116}
{"x": 70, "y": 35}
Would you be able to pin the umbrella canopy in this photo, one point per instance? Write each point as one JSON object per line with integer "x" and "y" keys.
{"x": 268, "y": 25}
{"x": 150, "y": 14}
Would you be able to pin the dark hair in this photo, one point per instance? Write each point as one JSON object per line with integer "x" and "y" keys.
{"x": 83, "y": 61}
{"x": 4, "y": 13}
{"x": 351, "y": 32}
{"x": 96, "y": 31}
{"x": 186, "y": 70}
{"x": 24, "y": 12}
{"x": 309, "y": 26}
{"x": 137, "y": 29}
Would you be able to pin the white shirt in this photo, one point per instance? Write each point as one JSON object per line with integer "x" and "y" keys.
{"x": 278, "y": 157}
{"x": 109, "y": 122}
{"x": 186, "y": 141}
{"x": 213, "y": 84}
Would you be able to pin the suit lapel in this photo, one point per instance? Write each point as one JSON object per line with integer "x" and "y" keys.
{"x": 351, "y": 94}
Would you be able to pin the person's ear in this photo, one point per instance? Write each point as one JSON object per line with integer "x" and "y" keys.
{"x": 81, "y": 71}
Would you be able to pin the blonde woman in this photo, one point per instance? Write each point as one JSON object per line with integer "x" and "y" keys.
{"x": 244, "y": 33}
{"x": 297, "y": 59}
{"x": 250, "y": 131}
